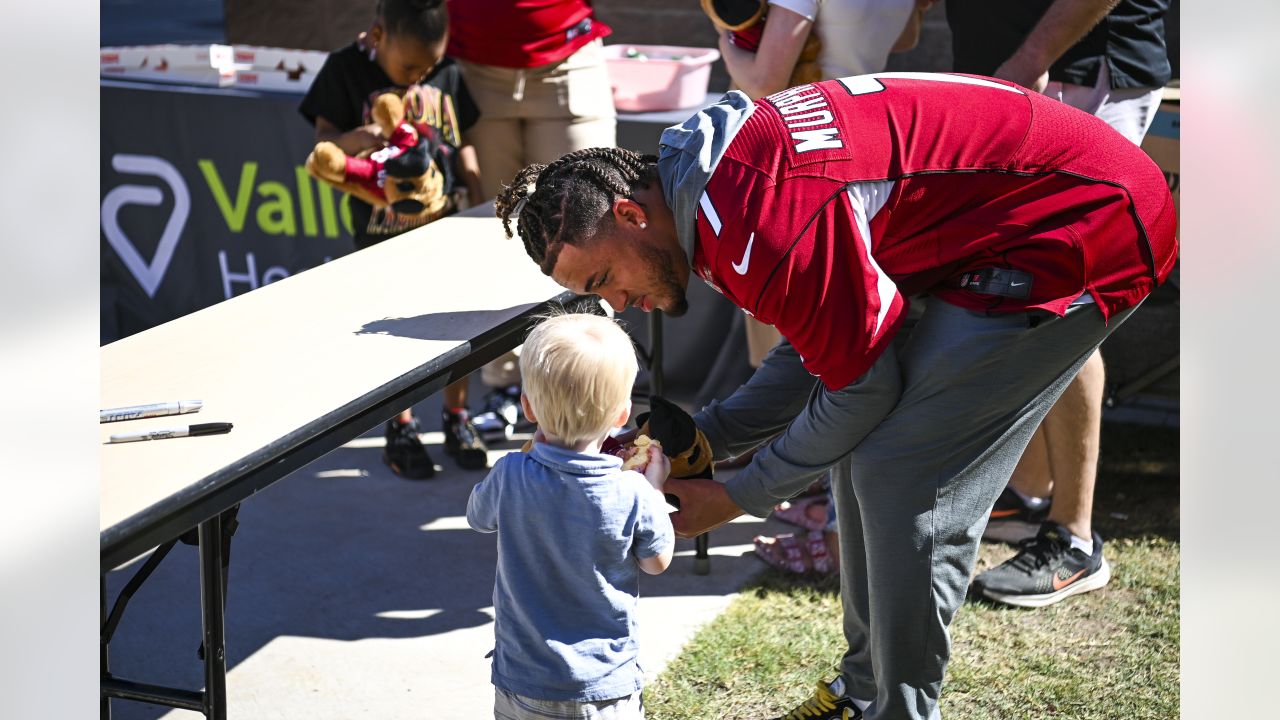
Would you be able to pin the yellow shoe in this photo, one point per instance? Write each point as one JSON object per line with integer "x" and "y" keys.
{"x": 825, "y": 705}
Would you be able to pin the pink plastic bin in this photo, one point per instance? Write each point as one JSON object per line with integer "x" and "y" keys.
{"x": 656, "y": 81}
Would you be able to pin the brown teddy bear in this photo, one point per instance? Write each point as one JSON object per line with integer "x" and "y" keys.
{"x": 411, "y": 174}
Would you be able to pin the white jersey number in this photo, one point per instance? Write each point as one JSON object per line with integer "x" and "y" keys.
{"x": 868, "y": 84}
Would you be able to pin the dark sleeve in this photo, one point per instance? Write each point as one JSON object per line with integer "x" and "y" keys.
{"x": 468, "y": 112}
{"x": 328, "y": 96}
{"x": 769, "y": 401}
{"x": 447, "y": 77}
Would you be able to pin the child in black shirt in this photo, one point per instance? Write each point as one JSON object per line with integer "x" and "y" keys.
{"x": 403, "y": 52}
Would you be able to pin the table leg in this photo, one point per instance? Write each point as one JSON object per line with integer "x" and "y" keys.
{"x": 655, "y": 352}
{"x": 211, "y": 608}
{"x": 105, "y": 711}
{"x": 701, "y": 560}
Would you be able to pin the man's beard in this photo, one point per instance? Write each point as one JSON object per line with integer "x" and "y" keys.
{"x": 665, "y": 273}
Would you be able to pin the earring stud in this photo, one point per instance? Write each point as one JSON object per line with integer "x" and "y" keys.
{"x": 643, "y": 226}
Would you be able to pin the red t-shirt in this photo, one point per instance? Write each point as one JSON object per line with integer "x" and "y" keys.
{"x": 837, "y": 200}
{"x": 520, "y": 33}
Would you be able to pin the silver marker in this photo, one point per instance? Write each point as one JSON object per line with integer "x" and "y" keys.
{"x": 146, "y": 411}
{"x": 215, "y": 428}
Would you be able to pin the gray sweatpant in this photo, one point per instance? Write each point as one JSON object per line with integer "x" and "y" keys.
{"x": 923, "y": 443}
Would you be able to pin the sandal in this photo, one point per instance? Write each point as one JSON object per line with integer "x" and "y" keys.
{"x": 785, "y": 552}
{"x": 820, "y": 560}
{"x": 797, "y": 512}
{"x": 782, "y": 552}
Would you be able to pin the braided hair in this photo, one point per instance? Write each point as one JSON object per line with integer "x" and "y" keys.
{"x": 569, "y": 201}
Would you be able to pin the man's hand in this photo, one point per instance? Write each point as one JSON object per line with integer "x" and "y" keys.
{"x": 704, "y": 505}
{"x": 1025, "y": 73}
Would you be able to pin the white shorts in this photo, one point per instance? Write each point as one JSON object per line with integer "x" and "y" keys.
{"x": 1129, "y": 110}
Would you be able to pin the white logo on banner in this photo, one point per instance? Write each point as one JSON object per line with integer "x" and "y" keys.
{"x": 150, "y": 274}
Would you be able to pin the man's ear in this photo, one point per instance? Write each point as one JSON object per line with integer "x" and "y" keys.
{"x": 528, "y": 409}
{"x": 628, "y": 212}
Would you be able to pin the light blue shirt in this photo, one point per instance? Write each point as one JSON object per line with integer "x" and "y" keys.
{"x": 570, "y": 527}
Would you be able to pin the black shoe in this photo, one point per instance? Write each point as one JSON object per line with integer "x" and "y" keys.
{"x": 825, "y": 705}
{"x": 1046, "y": 570}
{"x": 404, "y": 452}
{"x": 462, "y": 441}
{"x": 1013, "y": 520}
{"x": 502, "y": 415}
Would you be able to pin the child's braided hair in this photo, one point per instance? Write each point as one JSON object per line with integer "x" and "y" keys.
{"x": 569, "y": 200}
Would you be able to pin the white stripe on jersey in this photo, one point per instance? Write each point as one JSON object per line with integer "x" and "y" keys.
{"x": 867, "y": 198}
{"x": 709, "y": 211}
{"x": 866, "y": 84}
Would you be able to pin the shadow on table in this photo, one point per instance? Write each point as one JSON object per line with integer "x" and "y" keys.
{"x": 459, "y": 325}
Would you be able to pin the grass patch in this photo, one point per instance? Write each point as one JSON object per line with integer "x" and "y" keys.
{"x": 1106, "y": 654}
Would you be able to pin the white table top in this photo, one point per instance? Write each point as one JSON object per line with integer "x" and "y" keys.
{"x": 276, "y": 360}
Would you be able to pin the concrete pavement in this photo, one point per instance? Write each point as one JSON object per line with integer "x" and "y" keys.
{"x": 355, "y": 594}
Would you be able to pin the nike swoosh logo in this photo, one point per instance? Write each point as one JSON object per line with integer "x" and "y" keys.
{"x": 1014, "y": 284}
{"x": 1059, "y": 584}
{"x": 741, "y": 268}
{"x": 1003, "y": 513}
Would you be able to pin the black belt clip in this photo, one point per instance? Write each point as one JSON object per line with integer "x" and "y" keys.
{"x": 582, "y": 28}
{"x": 998, "y": 281}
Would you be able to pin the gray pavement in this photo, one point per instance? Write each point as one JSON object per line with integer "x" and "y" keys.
{"x": 355, "y": 594}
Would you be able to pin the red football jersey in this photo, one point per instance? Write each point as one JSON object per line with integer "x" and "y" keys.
{"x": 836, "y": 200}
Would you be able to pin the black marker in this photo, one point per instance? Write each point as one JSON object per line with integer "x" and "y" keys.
{"x": 216, "y": 428}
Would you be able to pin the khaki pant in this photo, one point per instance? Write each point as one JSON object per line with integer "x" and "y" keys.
{"x": 535, "y": 115}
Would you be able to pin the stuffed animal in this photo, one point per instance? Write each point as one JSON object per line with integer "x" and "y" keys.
{"x": 680, "y": 439}
{"x": 672, "y": 429}
{"x": 411, "y": 174}
{"x": 746, "y": 18}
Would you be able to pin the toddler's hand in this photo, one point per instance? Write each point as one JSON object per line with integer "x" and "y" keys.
{"x": 658, "y": 469}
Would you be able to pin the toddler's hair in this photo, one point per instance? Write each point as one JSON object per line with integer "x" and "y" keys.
{"x": 426, "y": 21}
{"x": 577, "y": 370}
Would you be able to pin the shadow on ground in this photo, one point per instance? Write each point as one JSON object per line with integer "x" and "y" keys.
{"x": 343, "y": 550}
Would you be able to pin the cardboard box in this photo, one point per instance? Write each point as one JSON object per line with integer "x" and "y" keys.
{"x": 271, "y": 58}
{"x": 165, "y": 56}
{"x": 189, "y": 75}
{"x": 250, "y": 66}
{"x": 295, "y": 81}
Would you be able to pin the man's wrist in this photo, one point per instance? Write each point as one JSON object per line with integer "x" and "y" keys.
{"x": 1024, "y": 67}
